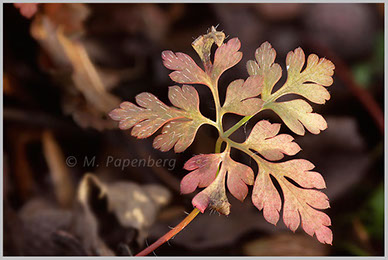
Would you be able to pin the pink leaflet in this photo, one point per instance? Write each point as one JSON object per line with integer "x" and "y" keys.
{"x": 264, "y": 139}
{"x": 204, "y": 168}
{"x": 185, "y": 68}
{"x": 239, "y": 176}
{"x": 204, "y": 175}
{"x": 297, "y": 200}
{"x": 241, "y": 97}
{"x": 147, "y": 118}
{"x": 226, "y": 56}
{"x": 181, "y": 133}
{"x": 187, "y": 71}
{"x": 264, "y": 66}
{"x": 265, "y": 196}
{"x": 181, "y": 124}
{"x": 313, "y": 221}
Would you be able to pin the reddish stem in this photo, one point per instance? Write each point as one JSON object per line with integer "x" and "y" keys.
{"x": 170, "y": 234}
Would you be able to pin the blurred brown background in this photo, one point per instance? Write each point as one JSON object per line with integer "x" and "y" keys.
{"x": 67, "y": 65}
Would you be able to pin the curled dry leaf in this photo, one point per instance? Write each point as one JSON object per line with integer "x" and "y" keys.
{"x": 241, "y": 97}
{"x": 203, "y": 44}
{"x": 58, "y": 28}
{"x": 132, "y": 205}
{"x": 309, "y": 83}
{"x": 214, "y": 196}
{"x": 181, "y": 123}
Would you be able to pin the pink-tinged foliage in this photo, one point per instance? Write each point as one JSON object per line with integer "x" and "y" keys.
{"x": 181, "y": 133}
{"x": 300, "y": 204}
{"x": 226, "y": 56}
{"x": 313, "y": 221}
{"x": 264, "y": 140}
{"x": 187, "y": 71}
{"x": 241, "y": 97}
{"x": 204, "y": 169}
{"x": 214, "y": 196}
{"x": 265, "y": 67}
{"x": 146, "y": 118}
{"x": 239, "y": 176}
{"x": 265, "y": 145}
{"x": 185, "y": 68}
{"x": 298, "y": 113}
{"x": 265, "y": 196}
{"x": 181, "y": 122}
{"x": 309, "y": 83}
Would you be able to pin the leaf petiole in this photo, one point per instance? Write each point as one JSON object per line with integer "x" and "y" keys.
{"x": 237, "y": 126}
{"x": 170, "y": 234}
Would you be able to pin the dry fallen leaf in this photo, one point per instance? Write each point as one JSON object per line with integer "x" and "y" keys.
{"x": 58, "y": 28}
{"x": 134, "y": 206}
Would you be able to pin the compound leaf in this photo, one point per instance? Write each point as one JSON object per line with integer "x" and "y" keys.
{"x": 241, "y": 97}
{"x": 182, "y": 122}
{"x": 300, "y": 185}
{"x": 264, "y": 140}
